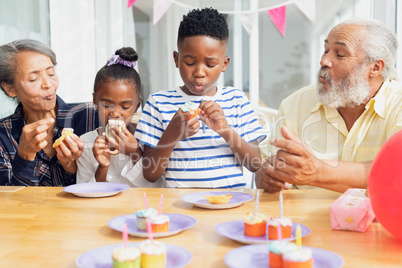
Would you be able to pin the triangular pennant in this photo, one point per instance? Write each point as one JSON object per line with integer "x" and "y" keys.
{"x": 308, "y": 8}
{"x": 130, "y": 3}
{"x": 160, "y": 8}
{"x": 278, "y": 16}
{"x": 247, "y": 20}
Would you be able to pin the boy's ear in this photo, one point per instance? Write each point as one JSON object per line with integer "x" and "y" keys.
{"x": 9, "y": 89}
{"x": 176, "y": 58}
{"x": 226, "y": 61}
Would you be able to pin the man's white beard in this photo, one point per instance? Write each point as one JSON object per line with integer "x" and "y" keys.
{"x": 351, "y": 91}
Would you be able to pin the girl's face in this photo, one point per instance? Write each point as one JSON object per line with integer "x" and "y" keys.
{"x": 116, "y": 99}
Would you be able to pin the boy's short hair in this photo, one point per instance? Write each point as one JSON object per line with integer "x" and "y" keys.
{"x": 205, "y": 22}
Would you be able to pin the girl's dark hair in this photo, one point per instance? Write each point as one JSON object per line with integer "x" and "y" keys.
{"x": 119, "y": 71}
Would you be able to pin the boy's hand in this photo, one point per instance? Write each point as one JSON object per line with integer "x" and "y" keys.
{"x": 212, "y": 114}
{"x": 183, "y": 125}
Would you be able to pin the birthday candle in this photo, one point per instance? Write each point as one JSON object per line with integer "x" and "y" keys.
{"x": 257, "y": 199}
{"x": 145, "y": 201}
{"x": 280, "y": 204}
{"x": 149, "y": 230}
{"x": 298, "y": 237}
{"x": 125, "y": 235}
{"x": 160, "y": 205}
{"x": 279, "y": 230}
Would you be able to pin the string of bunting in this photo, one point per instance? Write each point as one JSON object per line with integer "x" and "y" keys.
{"x": 277, "y": 13}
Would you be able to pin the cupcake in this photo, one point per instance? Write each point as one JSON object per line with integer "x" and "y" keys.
{"x": 255, "y": 225}
{"x": 273, "y": 223}
{"x": 302, "y": 258}
{"x": 159, "y": 223}
{"x": 66, "y": 132}
{"x": 116, "y": 123}
{"x": 190, "y": 106}
{"x": 129, "y": 257}
{"x": 142, "y": 215}
{"x": 276, "y": 249}
{"x": 153, "y": 254}
{"x": 219, "y": 199}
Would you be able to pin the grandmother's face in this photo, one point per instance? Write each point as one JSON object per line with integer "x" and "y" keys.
{"x": 35, "y": 82}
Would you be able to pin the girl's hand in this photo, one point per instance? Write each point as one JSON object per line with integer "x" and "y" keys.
{"x": 212, "y": 114}
{"x": 125, "y": 143}
{"x": 34, "y": 138}
{"x": 68, "y": 151}
{"x": 101, "y": 151}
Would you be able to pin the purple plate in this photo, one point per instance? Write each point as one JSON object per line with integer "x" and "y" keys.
{"x": 255, "y": 256}
{"x": 102, "y": 257}
{"x": 235, "y": 230}
{"x": 177, "y": 223}
{"x": 198, "y": 199}
{"x": 96, "y": 189}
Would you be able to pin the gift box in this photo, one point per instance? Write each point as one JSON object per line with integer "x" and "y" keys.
{"x": 351, "y": 211}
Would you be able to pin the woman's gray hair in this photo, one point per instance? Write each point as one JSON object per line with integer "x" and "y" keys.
{"x": 379, "y": 43}
{"x": 9, "y": 52}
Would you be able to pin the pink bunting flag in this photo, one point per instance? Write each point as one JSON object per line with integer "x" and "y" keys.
{"x": 130, "y": 3}
{"x": 308, "y": 8}
{"x": 278, "y": 16}
{"x": 160, "y": 8}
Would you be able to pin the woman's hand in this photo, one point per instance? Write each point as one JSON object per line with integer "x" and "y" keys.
{"x": 68, "y": 151}
{"x": 33, "y": 138}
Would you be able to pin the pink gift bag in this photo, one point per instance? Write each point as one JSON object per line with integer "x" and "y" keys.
{"x": 351, "y": 211}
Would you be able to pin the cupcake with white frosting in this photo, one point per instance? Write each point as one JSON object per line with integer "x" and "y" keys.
{"x": 302, "y": 258}
{"x": 159, "y": 223}
{"x": 274, "y": 222}
{"x": 153, "y": 254}
{"x": 129, "y": 257}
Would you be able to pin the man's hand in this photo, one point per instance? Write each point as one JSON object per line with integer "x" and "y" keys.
{"x": 294, "y": 162}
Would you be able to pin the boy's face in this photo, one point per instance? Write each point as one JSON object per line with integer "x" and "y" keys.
{"x": 201, "y": 60}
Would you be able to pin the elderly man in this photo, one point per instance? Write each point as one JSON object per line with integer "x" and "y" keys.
{"x": 329, "y": 133}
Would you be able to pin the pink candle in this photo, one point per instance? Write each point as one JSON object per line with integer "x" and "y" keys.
{"x": 125, "y": 235}
{"x": 279, "y": 230}
{"x": 149, "y": 230}
{"x": 145, "y": 201}
{"x": 160, "y": 205}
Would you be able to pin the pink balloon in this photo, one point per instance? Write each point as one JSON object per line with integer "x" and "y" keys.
{"x": 385, "y": 185}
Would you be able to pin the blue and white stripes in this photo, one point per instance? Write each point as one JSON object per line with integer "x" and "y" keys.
{"x": 203, "y": 160}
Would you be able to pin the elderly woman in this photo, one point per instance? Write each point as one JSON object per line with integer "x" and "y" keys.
{"x": 27, "y": 155}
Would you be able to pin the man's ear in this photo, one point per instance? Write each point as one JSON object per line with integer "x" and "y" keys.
{"x": 377, "y": 68}
{"x": 9, "y": 89}
{"x": 176, "y": 58}
{"x": 226, "y": 61}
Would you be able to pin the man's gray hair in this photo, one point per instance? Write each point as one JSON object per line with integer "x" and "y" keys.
{"x": 379, "y": 43}
{"x": 9, "y": 53}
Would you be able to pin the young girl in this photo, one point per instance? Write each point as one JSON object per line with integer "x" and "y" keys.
{"x": 115, "y": 156}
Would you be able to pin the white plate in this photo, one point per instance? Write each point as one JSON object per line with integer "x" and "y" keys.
{"x": 198, "y": 199}
{"x": 177, "y": 224}
{"x": 96, "y": 189}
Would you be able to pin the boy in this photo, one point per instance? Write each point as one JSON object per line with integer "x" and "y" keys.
{"x": 175, "y": 146}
